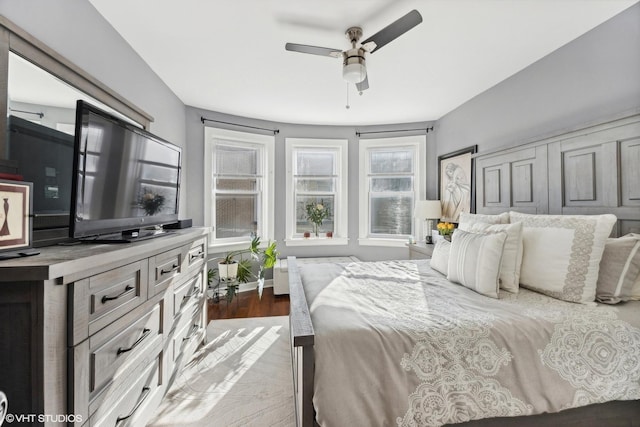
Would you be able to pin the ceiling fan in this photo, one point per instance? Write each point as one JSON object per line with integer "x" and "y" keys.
{"x": 354, "y": 68}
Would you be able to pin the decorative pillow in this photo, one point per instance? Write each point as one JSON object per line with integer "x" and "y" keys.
{"x": 561, "y": 253}
{"x": 512, "y": 255}
{"x": 635, "y": 291}
{"x": 470, "y": 218}
{"x": 474, "y": 261}
{"x": 619, "y": 269}
{"x": 440, "y": 256}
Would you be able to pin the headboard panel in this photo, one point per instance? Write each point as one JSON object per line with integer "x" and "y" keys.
{"x": 589, "y": 171}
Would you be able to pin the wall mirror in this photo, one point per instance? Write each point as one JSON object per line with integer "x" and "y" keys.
{"x": 36, "y": 141}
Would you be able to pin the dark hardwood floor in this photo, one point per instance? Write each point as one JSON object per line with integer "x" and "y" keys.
{"x": 247, "y": 304}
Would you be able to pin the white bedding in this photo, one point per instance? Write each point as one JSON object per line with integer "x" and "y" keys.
{"x": 397, "y": 344}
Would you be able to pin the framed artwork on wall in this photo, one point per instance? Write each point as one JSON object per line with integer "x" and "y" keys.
{"x": 456, "y": 187}
{"x": 15, "y": 215}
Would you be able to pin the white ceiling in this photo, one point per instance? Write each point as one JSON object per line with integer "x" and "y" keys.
{"x": 229, "y": 56}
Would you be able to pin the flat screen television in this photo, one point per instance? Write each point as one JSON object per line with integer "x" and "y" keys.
{"x": 125, "y": 179}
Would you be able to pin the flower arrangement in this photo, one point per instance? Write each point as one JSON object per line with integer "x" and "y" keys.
{"x": 151, "y": 202}
{"x": 316, "y": 213}
{"x": 445, "y": 228}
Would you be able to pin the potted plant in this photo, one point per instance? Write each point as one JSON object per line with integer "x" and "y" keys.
{"x": 235, "y": 271}
{"x": 316, "y": 213}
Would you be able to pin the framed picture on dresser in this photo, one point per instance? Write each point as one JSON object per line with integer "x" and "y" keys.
{"x": 15, "y": 215}
{"x": 456, "y": 187}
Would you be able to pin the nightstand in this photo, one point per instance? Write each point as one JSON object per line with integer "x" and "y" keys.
{"x": 420, "y": 250}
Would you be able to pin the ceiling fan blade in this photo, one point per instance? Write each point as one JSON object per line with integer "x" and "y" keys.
{"x": 363, "y": 85}
{"x": 314, "y": 50}
{"x": 394, "y": 30}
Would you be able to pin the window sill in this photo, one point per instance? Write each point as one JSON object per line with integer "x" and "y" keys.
{"x": 394, "y": 243}
{"x": 317, "y": 241}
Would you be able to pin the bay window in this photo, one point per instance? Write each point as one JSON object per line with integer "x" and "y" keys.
{"x": 316, "y": 179}
{"x": 238, "y": 186}
{"x": 392, "y": 178}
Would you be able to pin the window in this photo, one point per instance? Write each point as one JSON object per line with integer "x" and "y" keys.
{"x": 316, "y": 174}
{"x": 392, "y": 177}
{"x": 239, "y": 186}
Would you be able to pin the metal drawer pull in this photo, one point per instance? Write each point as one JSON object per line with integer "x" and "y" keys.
{"x": 106, "y": 298}
{"x": 195, "y": 291}
{"x": 145, "y": 333}
{"x": 145, "y": 393}
{"x": 174, "y": 267}
{"x": 194, "y": 330}
{"x": 194, "y": 256}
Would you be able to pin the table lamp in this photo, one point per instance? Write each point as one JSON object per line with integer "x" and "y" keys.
{"x": 428, "y": 210}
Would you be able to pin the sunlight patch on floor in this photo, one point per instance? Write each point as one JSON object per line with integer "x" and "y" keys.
{"x": 225, "y": 360}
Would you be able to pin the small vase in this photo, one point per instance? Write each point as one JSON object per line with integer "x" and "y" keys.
{"x": 447, "y": 237}
{"x": 329, "y": 234}
{"x": 306, "y": 234}
{"x": 315, "y": 229}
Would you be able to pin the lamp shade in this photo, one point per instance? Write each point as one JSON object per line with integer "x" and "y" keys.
{"x": 428, "y": 209}
{"x": 354, "y": 73}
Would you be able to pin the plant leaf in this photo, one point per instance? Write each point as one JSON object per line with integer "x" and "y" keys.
{"x": 244, "y": 270}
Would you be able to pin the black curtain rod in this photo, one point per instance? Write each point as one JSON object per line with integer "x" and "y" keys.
{"x": 275, "y": 131}
{"x": 41, "y": 115}
{"x": 427, "y": 130}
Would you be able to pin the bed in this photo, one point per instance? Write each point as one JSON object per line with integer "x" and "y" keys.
{"x": 397, "y": 343}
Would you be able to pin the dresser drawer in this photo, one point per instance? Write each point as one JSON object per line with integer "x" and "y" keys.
{"x": 186, "y": 293}
{"x": 166, "y": 268}
{"x": 105, "y": 364}
{"x": 108, "y": 352}
{"x": 197, "y": 254}
{"x": 136, "y": 404}
{"x": 189, "y": 332}
{"x": 97, "y": 301}
{"x": 171, "y": 266}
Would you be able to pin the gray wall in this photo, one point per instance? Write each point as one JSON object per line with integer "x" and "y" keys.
{"x": 593, "y": 77}
{"x": 74, "y": 29}
{"x": 194, "y": 174}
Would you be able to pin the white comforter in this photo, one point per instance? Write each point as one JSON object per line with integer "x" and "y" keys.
{"x": 397, "y": 344}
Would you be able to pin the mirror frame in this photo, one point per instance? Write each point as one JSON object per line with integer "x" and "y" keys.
{"x": 15, "y": 39}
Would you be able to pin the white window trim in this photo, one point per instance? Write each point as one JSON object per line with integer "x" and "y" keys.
{"x": 418, "y": 142}
{"x": 268, "y": 141}
{"x": 341, "y": 221}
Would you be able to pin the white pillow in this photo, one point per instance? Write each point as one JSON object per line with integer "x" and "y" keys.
{"x": 474, "y": 261}
{"x": 561, "y": 253}
{"x": 470, "y": 218}
{"x": 440, "y": 256}
{"x": 619, "y": 269}
{"x": 512, "y": 255}
{"x": 635, "y": 291}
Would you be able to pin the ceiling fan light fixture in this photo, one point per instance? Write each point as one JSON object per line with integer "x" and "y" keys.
{"x": 354, "y": 69}
{"x": 354, "y": 73}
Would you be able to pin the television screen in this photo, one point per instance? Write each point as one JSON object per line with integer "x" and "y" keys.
{"x": 125, "y": 178}
{"x": 43, "y": 156}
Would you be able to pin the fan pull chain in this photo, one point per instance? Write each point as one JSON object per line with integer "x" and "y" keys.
{"x": 348, "y": 106}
